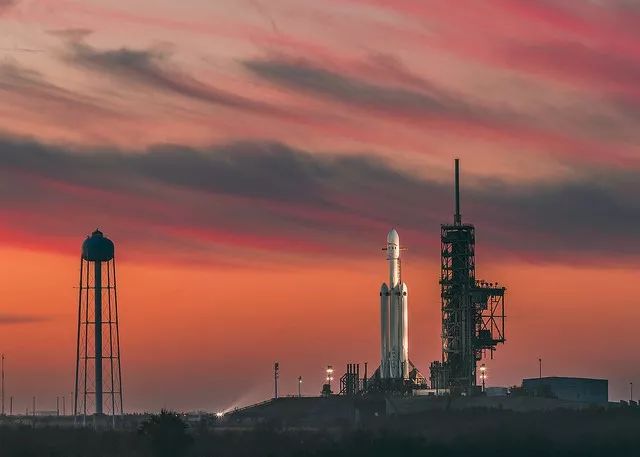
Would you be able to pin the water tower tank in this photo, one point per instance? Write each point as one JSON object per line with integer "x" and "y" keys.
{"x": 97, "y": 248}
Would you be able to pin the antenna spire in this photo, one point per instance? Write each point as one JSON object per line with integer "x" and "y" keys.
{"x": 457, "y": 219}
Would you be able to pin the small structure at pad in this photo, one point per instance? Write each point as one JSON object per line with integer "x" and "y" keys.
{"x": 586, "y": 390}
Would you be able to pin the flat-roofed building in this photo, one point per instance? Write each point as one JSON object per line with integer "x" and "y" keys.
{"x": 584, "y": 390}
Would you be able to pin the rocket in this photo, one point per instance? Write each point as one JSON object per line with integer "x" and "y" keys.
{"x": 394, "y": 320}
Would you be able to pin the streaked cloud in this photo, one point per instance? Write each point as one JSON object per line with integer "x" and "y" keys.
{"x": 435, "y": 102}
{"x": 306, "y": 126}
{"x": 575, "y": 61}
{"x": 266, "y": 195}
{"x": 30, "y": 89}
{"x": 6, "y": 4}
{"x": 152, "y": 69}
{"x": 18, "y": 319}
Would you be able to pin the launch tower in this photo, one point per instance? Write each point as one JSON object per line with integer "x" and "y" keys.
{"x": 472, "y": 309}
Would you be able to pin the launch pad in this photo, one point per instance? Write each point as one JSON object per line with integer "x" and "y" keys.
{"x": 473, "y": 321}
{"x": 472, "y": 327}
{"x": 473, "y": 317}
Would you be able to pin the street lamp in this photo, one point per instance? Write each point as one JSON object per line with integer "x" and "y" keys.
{"x": 299, "y": 386}
{"x": 483, "y": 375}
{"x": 2, "y": 381}
{"x": 540, "y": 366}
{"x": 329, "y": 375}
{"x": 276, "y": 375}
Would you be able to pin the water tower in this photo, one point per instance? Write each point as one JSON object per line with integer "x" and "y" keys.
{"x": 98, "y": 383}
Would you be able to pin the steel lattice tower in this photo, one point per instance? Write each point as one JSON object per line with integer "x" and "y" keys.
{"x": 98, "y": 383}
{"x": 472, "y": 310}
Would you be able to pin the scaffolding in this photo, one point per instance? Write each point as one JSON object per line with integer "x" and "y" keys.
{"x": 473, "y": 317}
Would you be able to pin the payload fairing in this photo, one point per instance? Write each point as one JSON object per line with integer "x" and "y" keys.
{"x": 394, "y": 319}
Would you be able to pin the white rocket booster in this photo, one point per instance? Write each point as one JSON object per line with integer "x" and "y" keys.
{"x": 394, "y": 318}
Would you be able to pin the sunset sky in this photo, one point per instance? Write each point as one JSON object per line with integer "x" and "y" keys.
{"x": 248, "y": 158}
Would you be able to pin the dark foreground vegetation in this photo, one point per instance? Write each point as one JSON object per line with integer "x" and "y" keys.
{"x": 468, "y": 433}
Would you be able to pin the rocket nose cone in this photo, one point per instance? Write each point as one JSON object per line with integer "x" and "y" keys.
{"x": 393, "y": 238}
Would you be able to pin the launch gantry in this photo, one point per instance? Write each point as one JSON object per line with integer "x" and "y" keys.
{"x": 472, "y": 310}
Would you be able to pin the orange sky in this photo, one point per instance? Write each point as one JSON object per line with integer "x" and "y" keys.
{"x": 249, "y": 157}
{"x": 205, "y": 337}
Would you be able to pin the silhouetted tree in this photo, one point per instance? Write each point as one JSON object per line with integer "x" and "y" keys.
{"x": 167, "y": 434}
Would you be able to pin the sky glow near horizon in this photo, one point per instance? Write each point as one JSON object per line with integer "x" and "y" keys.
{"x": 248, "y": 158}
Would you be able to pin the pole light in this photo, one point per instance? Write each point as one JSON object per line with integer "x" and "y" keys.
{"x": 299, "y": 386}
{"x": 2, "y": 383}
{"x": 540, "y": 367}
{"x": 483, "y": 375}
{"x": 329, "y": 375}
{"x": 276, "y": 375}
